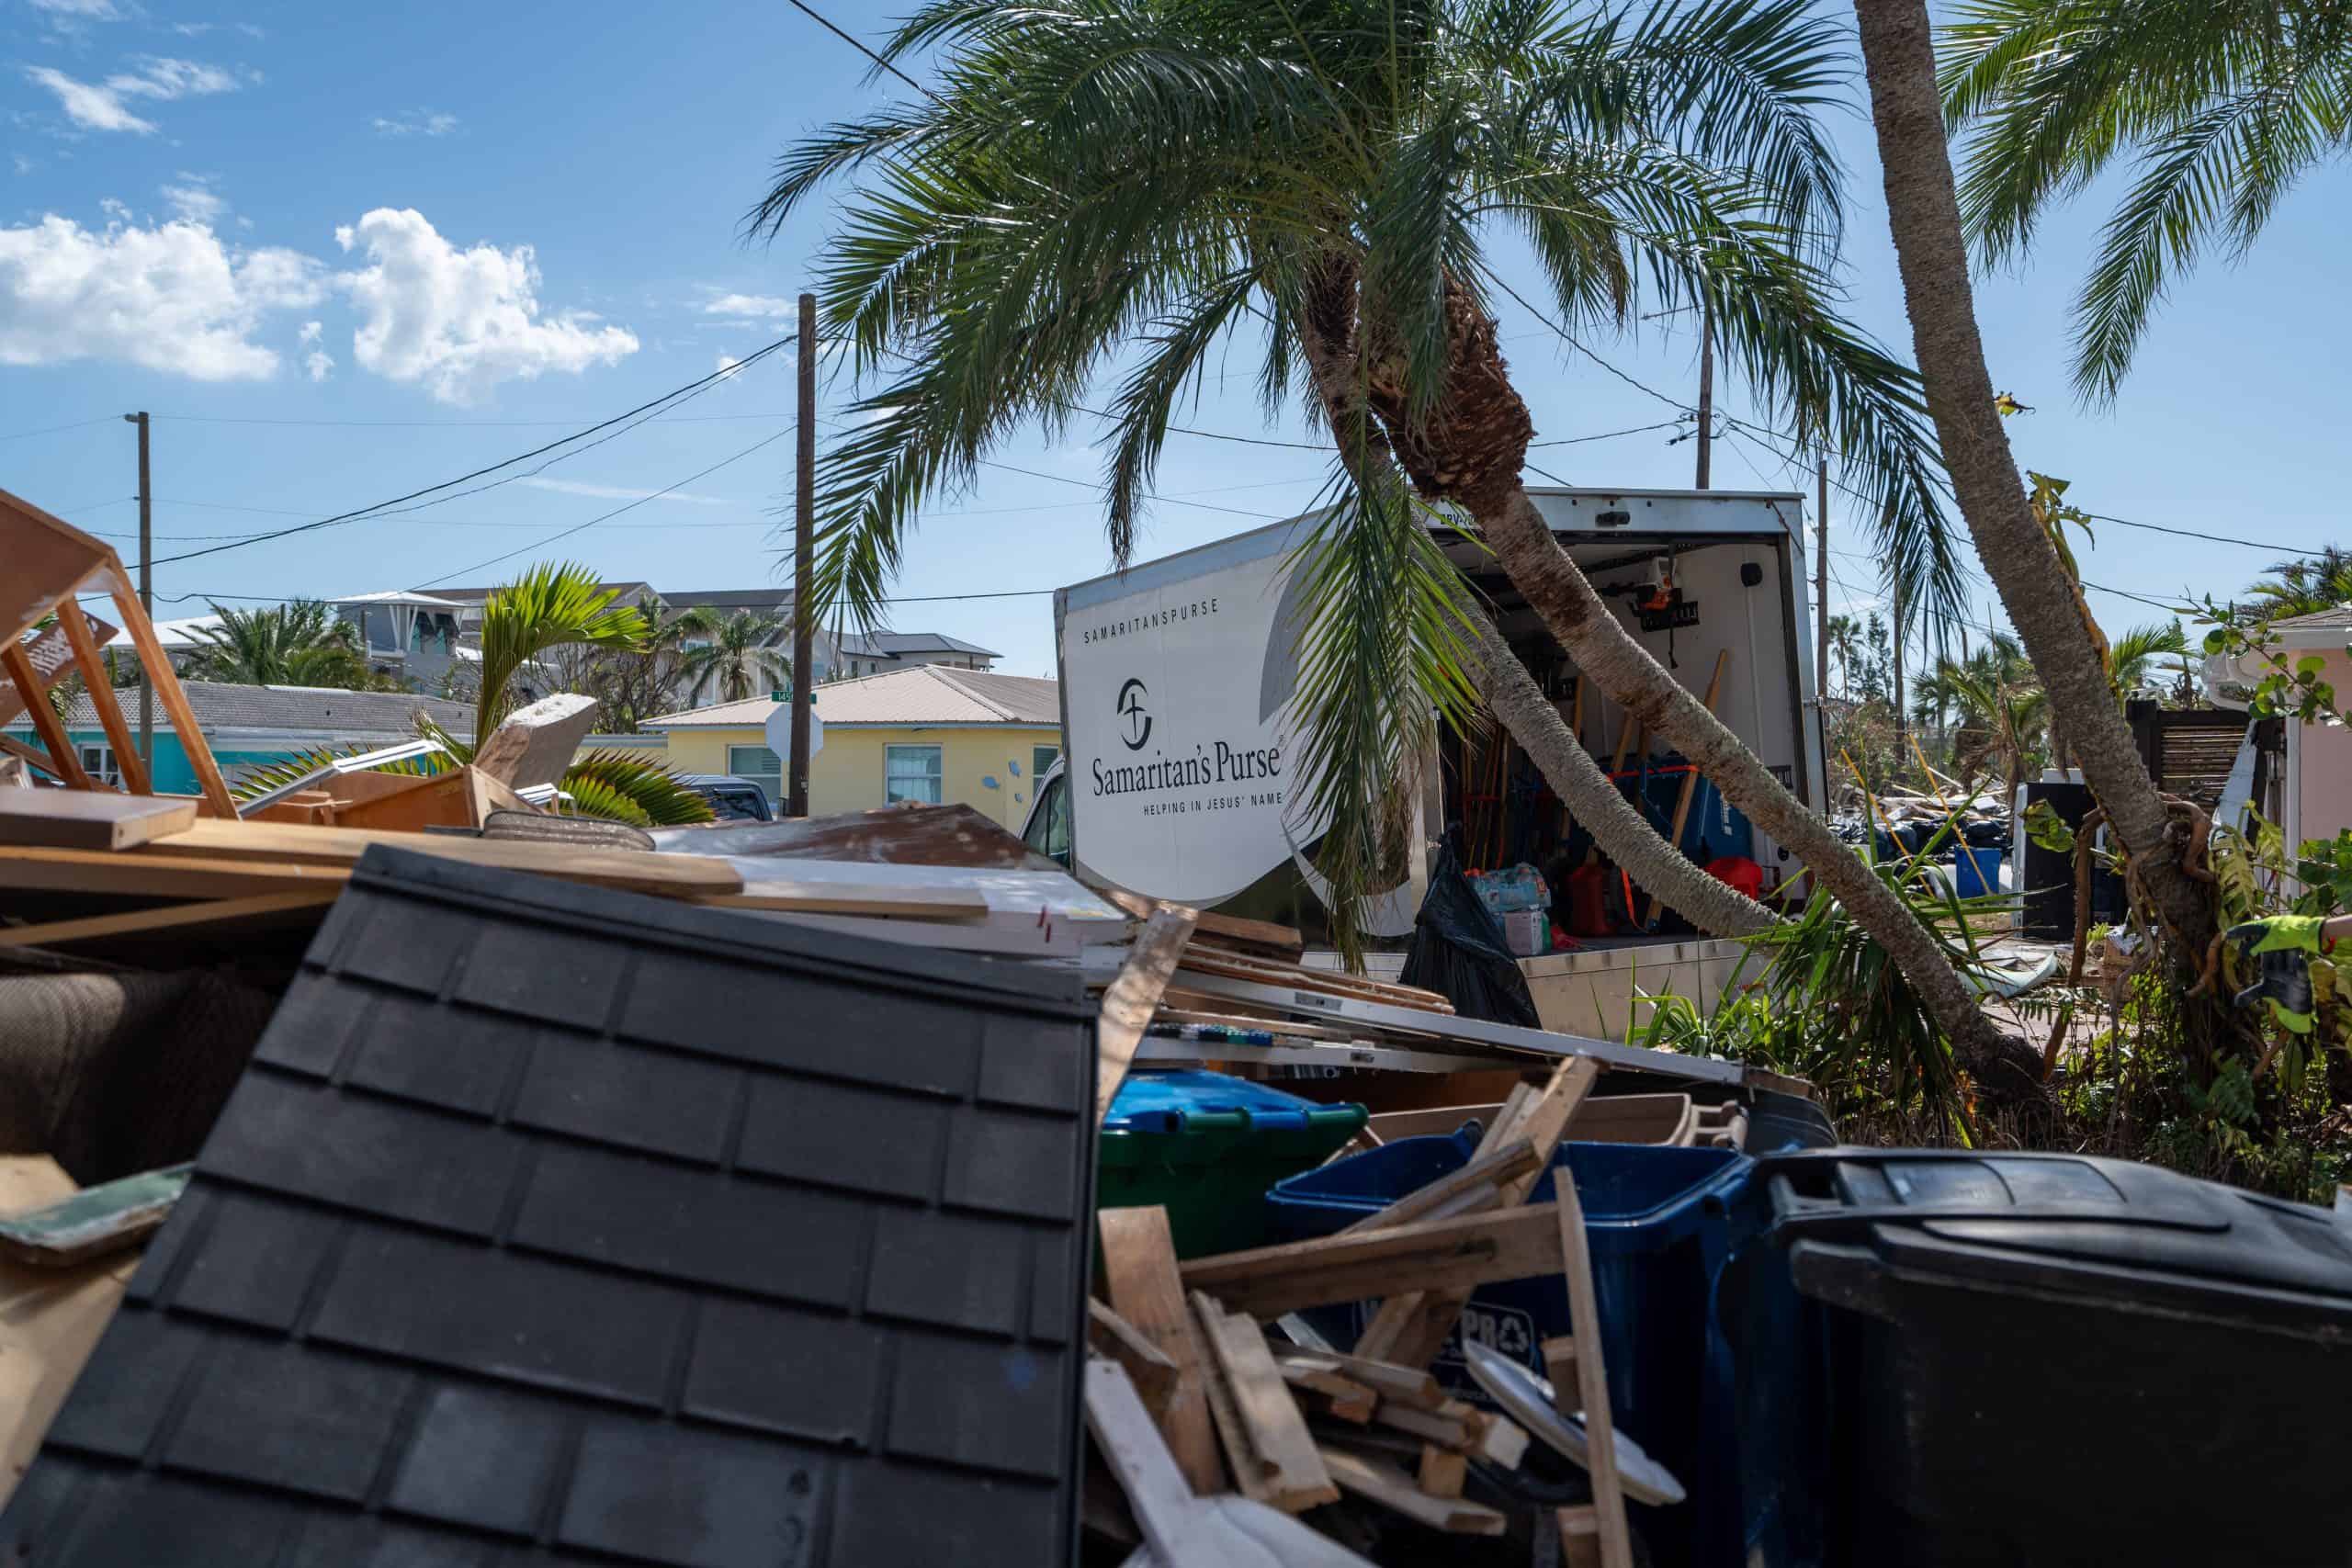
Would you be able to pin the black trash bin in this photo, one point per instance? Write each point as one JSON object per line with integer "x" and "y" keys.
{"x": 2046, "y": 1359}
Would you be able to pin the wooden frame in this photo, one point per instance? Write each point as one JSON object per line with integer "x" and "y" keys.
{"x": 58, "y": 561}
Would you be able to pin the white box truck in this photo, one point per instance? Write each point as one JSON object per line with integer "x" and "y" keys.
{"x": 1178, "y": 675}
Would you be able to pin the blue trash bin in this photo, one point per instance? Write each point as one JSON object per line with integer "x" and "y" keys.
{"x": 1661, "y": 1223}
{"x": 1976, "y": 871}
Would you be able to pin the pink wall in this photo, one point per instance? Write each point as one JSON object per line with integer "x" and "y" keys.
{"x": 2326, "y": 764}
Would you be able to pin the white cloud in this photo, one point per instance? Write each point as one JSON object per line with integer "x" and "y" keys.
{"x": 775, "y": 307}
{"x": 623, "y": 492}
{"x": 168, "y": 298}
{"x": 194, "y": 200}
{"x": 193, "y": 29}
{"x": 461, "y": 321}
{"x": 92, "y": 10}
{"x": 318, "y": 361}
{"x": 100, "y": 106}
{"x": 727, "y": 364}
{"x": 416, "y": 122}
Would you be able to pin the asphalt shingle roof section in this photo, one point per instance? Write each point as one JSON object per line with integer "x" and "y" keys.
{"x": 557, "y": 1225}
{"x": 220, "y": 704}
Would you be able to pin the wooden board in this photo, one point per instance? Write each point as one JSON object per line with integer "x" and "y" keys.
{"x": 1444, "y": 1253}
{"x": 1264, "y": 934}
{"x": 679, "y": 876}
{"x": 49, "y": 1322}
{"x": 1274, "y": 1436}
{"x": 212, "y": 916}
{"x": 87, "y": 820}
{"x": 1132, "y": 997}
{"x": 1592, "y": 1377}
{"x": 1442, "y": 1470}
{"x": 161, "y": 877}
{"x": 1383, "y": 1484}
{"x": 1473, "y": 1188}
{"x": 1147, "y": 1364}
{"x": 794, "y": 897}
{"x": 1406, "y": 1385}
{"x": 1139, "y": 1268}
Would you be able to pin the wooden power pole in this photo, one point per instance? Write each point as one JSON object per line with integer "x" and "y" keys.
{"x": 146, "y": 591}
{"x": 1821, "y": 583}
{"x": 1707, "y": 390}
{"x": 804, "y": 536}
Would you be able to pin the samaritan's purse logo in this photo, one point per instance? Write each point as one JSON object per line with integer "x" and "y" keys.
{"x": 1136, "y": 717}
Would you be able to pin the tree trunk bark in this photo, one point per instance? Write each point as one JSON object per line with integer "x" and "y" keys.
{"x": 1623, "y": 832}
{"x": 1923, "y": 213}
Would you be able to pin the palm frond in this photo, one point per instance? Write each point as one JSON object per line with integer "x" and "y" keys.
{"x": 652, "y": 792}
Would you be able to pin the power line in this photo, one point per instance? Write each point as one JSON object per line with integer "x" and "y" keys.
{"x": 616, "y": 511}
{"x": 689, "y": 389}
{"x": 1605, "y": 435}
{"x": 450, "y": 423}
{"x": 59, "y": 429}
{"x": 825, "y": 22}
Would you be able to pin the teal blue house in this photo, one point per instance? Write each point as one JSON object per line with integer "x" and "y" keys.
{"x": 255, "y": 725}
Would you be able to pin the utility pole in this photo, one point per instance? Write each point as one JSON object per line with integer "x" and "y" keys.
{"x": 1902, "y": 722}
{"x": 146, "y": 591}
{"x": 1706, "y": 388}
{"x": 1821, "y": 581}
{"x": 804, "y": 536}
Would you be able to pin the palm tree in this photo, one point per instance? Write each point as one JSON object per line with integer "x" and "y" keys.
{"x": 1845, "y": 640}
{"x": 2132, "y": 658}
{"x": 1923, "y": 212}
{"x": 2221, "y": 106}
{"x": 302, "y": 643}
{"x": 2304, "y": 587}
{"x": 548, "y": 606}
{"x": 739, "y": 658}
{"x": 2001, "y": 709}
{"x": 1098, "y": 178}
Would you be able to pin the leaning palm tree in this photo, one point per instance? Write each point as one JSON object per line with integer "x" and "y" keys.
{"x": 738, "y": 658}
{"x": 301, "y": 643}
{"x": 2220, "y": 107}
{"x": 2040, "y": 595}
{"x": 548, "y": 606}
{"x": 1156, "y": 178}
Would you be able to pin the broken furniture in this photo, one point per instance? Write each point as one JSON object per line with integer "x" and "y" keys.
{"x": 50, "y": 562}
{"x": 549, "y": 1214}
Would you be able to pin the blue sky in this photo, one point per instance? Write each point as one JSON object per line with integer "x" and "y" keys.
{"x": 345, "y": 252}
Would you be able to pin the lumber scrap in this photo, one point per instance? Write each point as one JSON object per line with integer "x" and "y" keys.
{"x": 1440, "y": 1254}
{"x": 1405, "y": 1385}
{"x": 677, "y": 876}
{"x": 213, "y": 916}
{"x": 1592, "y": 1380}
{"x": 535, "y": 744}
{"x": 160, "y": 876}
{"x": 1229, "y": 930}
{"x": 1274, "y": 1450}
{"x": 1180, "y": 1531}
{"x": 80, "y": 820}
{"x": 1413, "y": 1327}
{"x": 52, "y": 657}
{"x": 1139, "y": 1268}
{"x": 1379, "y": 1482}
{"x": 50, "y": 1321}
{"x": 33, "y": 699}
{"x": 1475, "y": 1187}
{"x": 1134, "y": 996}
{"x": 96, "y": 677}
{"x": 95, "y": 1222}
{"x": 1147, "y": 1366}
{"x": 1344, "y": 1396}
{"x": 1442, "y": 1470}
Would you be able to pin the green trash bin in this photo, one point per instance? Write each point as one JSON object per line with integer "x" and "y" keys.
{"x": 1208, "y": 1148}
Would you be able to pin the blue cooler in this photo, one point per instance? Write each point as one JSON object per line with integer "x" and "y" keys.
{"x": 1662, "y": 1224}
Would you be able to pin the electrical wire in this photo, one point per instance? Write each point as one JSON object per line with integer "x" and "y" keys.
{"x": 60, "y": 429}
{"x": 445, "y": 423}
{"x": 382, "y": 508}
{"x": 827, "y": 23}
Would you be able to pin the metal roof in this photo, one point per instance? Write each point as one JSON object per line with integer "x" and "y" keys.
{"x": 924, "y": 694}
{"x": 300, "y": 709}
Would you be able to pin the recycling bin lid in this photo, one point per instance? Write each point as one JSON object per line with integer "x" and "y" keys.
{"x": 2076, "y": 1224}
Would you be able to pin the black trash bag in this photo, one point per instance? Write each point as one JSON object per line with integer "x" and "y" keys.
{"x": 1458, "y": 951}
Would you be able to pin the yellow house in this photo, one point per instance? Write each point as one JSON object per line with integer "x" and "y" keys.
{"x": 925, "y": 734}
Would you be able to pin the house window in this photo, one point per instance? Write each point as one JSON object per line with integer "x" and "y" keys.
{"x": 99, "y": 762}
{"x": 1042, "y": 760}
{"x": 760, "y": 766}
{"x": 910, "y": 773}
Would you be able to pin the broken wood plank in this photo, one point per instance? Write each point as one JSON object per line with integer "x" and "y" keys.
{"x": 1140, "y": 1266}
{"x": 1147, "y": 1366}
{"x": 216, "y": 916}
{"x": 634, "y": 871}
{"x": 161, "y": 877}
{"x": 1414, "y": 1327}
{"x": 1383, "y": 1484}
{"x": 1287, "y": 940}
{"x": 1275, "y": 1438}
{"x": 1445, "y": 1254}
{"x": 1473, "y": 1187}
{"x": 78, "y": 819}
{"x": 100, "y": 680}
{"x": 33, "y": 695}
{"x": 1592, "y": 1374}
{"x": 1406, "y": 1385}
{"x": 51, "y": 654}
{"x": 95, "y": 1220}
{"x": 535, "y": 744}
{"x": 1133, "y": 997}
{"x": 1560, "y": 1371}
{"x": 156, "y": 665}
{"x": 1442, "y": 1470}
{"x": 1447, "y": 1431}
{"x": 1344, "y": 1396}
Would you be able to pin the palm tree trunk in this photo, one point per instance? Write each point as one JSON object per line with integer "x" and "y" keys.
{"x": 1924, "y": 214}
{"x": 1627, "y": 836}
{"x": 1624, "y": 833}
{"x": 1471, "y": 452}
